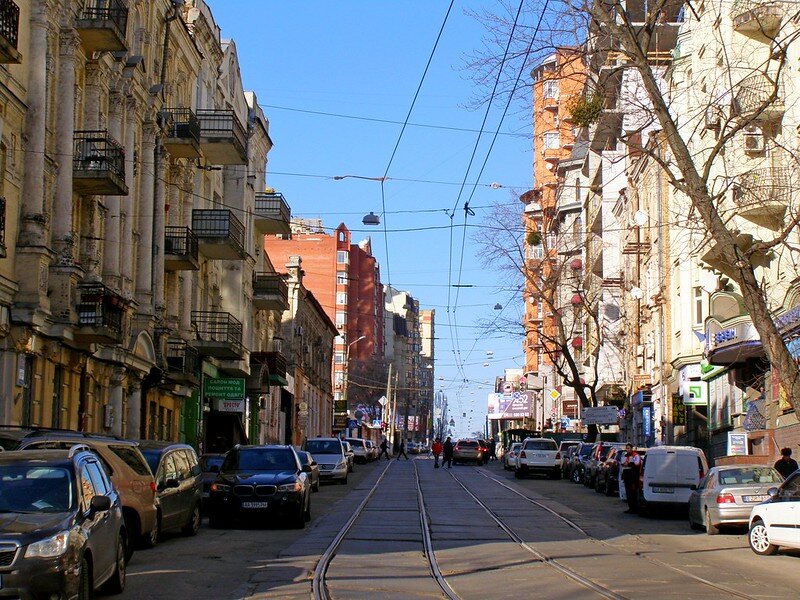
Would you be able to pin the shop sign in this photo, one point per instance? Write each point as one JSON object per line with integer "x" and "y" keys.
{"x": 789, "y": 319}
{"x": 231, "y": 388}
{"x": 737, "y": 444}
{"x": 678, "y": 411}
{"x": 696, "y": 393}
{"x": 717, "y": 338}
{"x": 600, "y": 415}
{"x": 223, "y": 405}
{"x": 339, "y": 421}
{"x": 647, "y": 417}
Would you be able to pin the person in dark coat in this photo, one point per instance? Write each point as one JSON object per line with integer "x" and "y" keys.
{"x": 401, "y": 450}
{"x": 384, "y": 450}
{"x": 447, "y": 447}
{"x": 786, "y": 465}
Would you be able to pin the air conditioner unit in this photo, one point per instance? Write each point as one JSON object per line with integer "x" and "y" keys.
{"x": 753, "y": 139}
{"x": 713, "y": 117}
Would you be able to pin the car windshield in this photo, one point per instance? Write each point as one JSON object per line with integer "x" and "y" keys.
{"x": 324, "y": 446}
{"x": 206, "y": 462}
{"x": 32, "y": 489}
{"x": 303, "y": 456}
{"x": 260, "y": 459}
{"x": 467, "y": 444}
{"x": 356, "y": 443}
{"x": 748, "y": 475}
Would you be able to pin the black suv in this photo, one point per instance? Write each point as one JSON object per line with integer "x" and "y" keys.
{"x": 257, "y": 481}
{"x": 62, "y": 533}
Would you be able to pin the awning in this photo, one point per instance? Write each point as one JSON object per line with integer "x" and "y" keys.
{"x": 277, "y": 380}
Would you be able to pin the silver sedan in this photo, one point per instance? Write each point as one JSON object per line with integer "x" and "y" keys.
{"x": 726, "y": 495}
{"x": 510, "y": 457}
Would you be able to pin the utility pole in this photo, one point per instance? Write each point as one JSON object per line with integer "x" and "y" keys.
{"x": 388, "y": 407}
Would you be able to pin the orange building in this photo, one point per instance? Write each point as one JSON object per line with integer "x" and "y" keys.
{"x": 555, "y": 81}
{"x": 345, "y": 279}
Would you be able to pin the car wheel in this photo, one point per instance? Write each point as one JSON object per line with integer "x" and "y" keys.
{"x": 315, "y": 486}
{"x": 609, "y": 489}
{"x": 759, "y": 539}
{"x": 149, "y": 540}
{"x": 518, "y": 473}
{"x": 193, "y": 524}
{"x": 116, "y": 584}
{"x": 343, "y": 481}
{"x": 217, "y": 521}
{"x": 85, "y": 581}
{"x": 598, "y": 486}
{"x": 692, "y": 525}
{"x": 307, "y": 513}
{"x": 575, "y": 476}
{"x": 299, "y": 520}
{"x": 711, "y": 529}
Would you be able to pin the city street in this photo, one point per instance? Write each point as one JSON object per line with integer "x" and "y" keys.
{"x": 585, "y": 548}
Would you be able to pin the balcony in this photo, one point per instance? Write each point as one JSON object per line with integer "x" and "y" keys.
{"x": 756, "y": 18}
{"x": 183, "y": 362}
{"x": 3, "y": 252}
{"x": 751, "y": 94}
{"x": 181, "y": 249}
{"x": 270, "y": 292}
{"x": 102, "y": 25}
{"x": 219, "y": 233}
{"x": 272, "y": 214}
{"x": 98, "y": 165}
{"x": 9, "y": 32}
{"x": 183, "y": 136}
{"x": 762, "y": 196}
{"x": 276, "y": 363}
{"x": 218, "y": 334}
{"x": 100, "y": 314}
{"x": 223, "y": 139}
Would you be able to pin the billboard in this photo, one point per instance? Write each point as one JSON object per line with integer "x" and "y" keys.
{"x": 511, "y": 405}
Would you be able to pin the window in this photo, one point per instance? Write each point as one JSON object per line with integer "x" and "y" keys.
{"x": 338, "y": 378}
{"x": 341, "y": 297}
{"x": 181, "y": 465}
{"x": 338, "y": 358}
{"x": 698, "y": 305}
{"x": 341, "y": 277}
{"x": 550, "y": 88}
{"x": 131, "y": 457}
{"x": 86, "y": 487}
{"x": 342, "y": 257}
{"x": 535, "y": 252}
{"x": 550, "y": 140}
{"x": 101, "y": 484}
{"x": 341, "y": 318}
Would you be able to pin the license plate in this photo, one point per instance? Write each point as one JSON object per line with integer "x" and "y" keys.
{"x": 664, "y": 490}
{"x": 255, "y": 504}
{"x": 540, "y": 455}
{"x": 757, "y": 498}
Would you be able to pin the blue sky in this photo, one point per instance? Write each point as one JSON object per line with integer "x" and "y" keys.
{"x": 365, "y": 59}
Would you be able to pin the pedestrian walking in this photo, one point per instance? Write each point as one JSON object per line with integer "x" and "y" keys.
{"x": 492, "y": 449}
{"x": 401, "y": 450}
{"x": 786, "y": 465}
{"x": 447, "y": 447}
{"x": 437, "y": 450}
{"x": 384, "y": 449}
{"x": 631, "y": 462}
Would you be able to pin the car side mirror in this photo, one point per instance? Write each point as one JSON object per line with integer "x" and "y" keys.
{"x": 99, "y": 504}
{"x": 213, "y": 469}
{"x": 306, "y": 468}
{"x": 313, "y": 463}
{"x": 693, "y": 487}
{"x": 772, "y": 492}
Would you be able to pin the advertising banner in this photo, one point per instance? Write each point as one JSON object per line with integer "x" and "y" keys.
{"x": 514, "y": 405}
{"x": 600, "y": 415}
{"x": 737, "y": 444}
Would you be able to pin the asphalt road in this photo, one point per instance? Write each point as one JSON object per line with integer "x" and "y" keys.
{"x": 383, "y": 556}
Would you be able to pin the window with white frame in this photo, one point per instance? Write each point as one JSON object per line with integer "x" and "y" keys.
{"x": 341, "y": 277}
{"x": 535, "y": 252}
{"x": 341, "y": 297}
{"x": 341, "y": 318}
{"x": 550, "y": 88}
{"x": 338, "y": 358}
{"x": 342, "y": 257}
{"x": 698, "y": 306}
{"x": 338, "y": 377}
{"x": 550, "y": 140}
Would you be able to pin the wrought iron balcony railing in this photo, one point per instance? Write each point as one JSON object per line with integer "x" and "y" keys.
{"x": 183, "y": 135}
{"x": 223, "y": 139}
{"x": 219, "y": 232}
{"x": 9, "y": 32}
{"x": 270, "y": 292}
{"x": 98, "y": 164}
{"x": 183, "y": 361}
{"x": 181, "y": 249}
{"x": 754, "y": 92}
{"x": 100, "y": 314}
{"x": 102, "y": 25}
{"x": 218, "y": 334}
{"x": 272, "y": 214}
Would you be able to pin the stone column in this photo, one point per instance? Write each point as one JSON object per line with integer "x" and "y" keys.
{"x": 111, "y": 253}
{"x": 188, "y": 287}
{"x": 133, "y": 417}
{"x": 115, "y": 395}
{"x": 128, "y": 207}
{"x": 144, "y": 262}
{"x": 159, "y": 224}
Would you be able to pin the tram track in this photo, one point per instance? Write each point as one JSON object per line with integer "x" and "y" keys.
{"x": 570, "y": 523}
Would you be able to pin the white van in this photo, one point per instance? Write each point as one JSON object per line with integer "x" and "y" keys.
{"x": 668, "y": 476}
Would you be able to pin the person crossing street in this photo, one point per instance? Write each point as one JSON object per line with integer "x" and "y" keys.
{"x": 384, "y": 450}
{"x": 437, "y": 450}
{"x": 448, "y": 452}
{"x": 401, "y": 450}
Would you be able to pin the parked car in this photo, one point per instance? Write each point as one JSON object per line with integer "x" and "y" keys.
{"x": 487, "y": 453}
{"x": 566, "y": 460}
{"x": 538, "y": 455}
{"x": 510, "y": 456}
{"x": 329, "y": 454}
{"x": 260, "y": 481}
{"x": 564, "y": 450}
{"x": 467, "y": 450}
{"x": 179, "y": 485}
{"x": 350, "y": 455}
{"x": 128, "y": 471}
{"x": 726, "y": 495}
{"x": 668, "y": 476}
{"x": 313, "y": 473}
{"x": 62, "y": 532}
{"x": 776, "y": 522}
{"x": 609, "y": 476}
{"x": 210, "y": 465}
{"x": 360, "y": 450}
{"x": 596, "y": 458}
{"x": 578, "y": 464}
